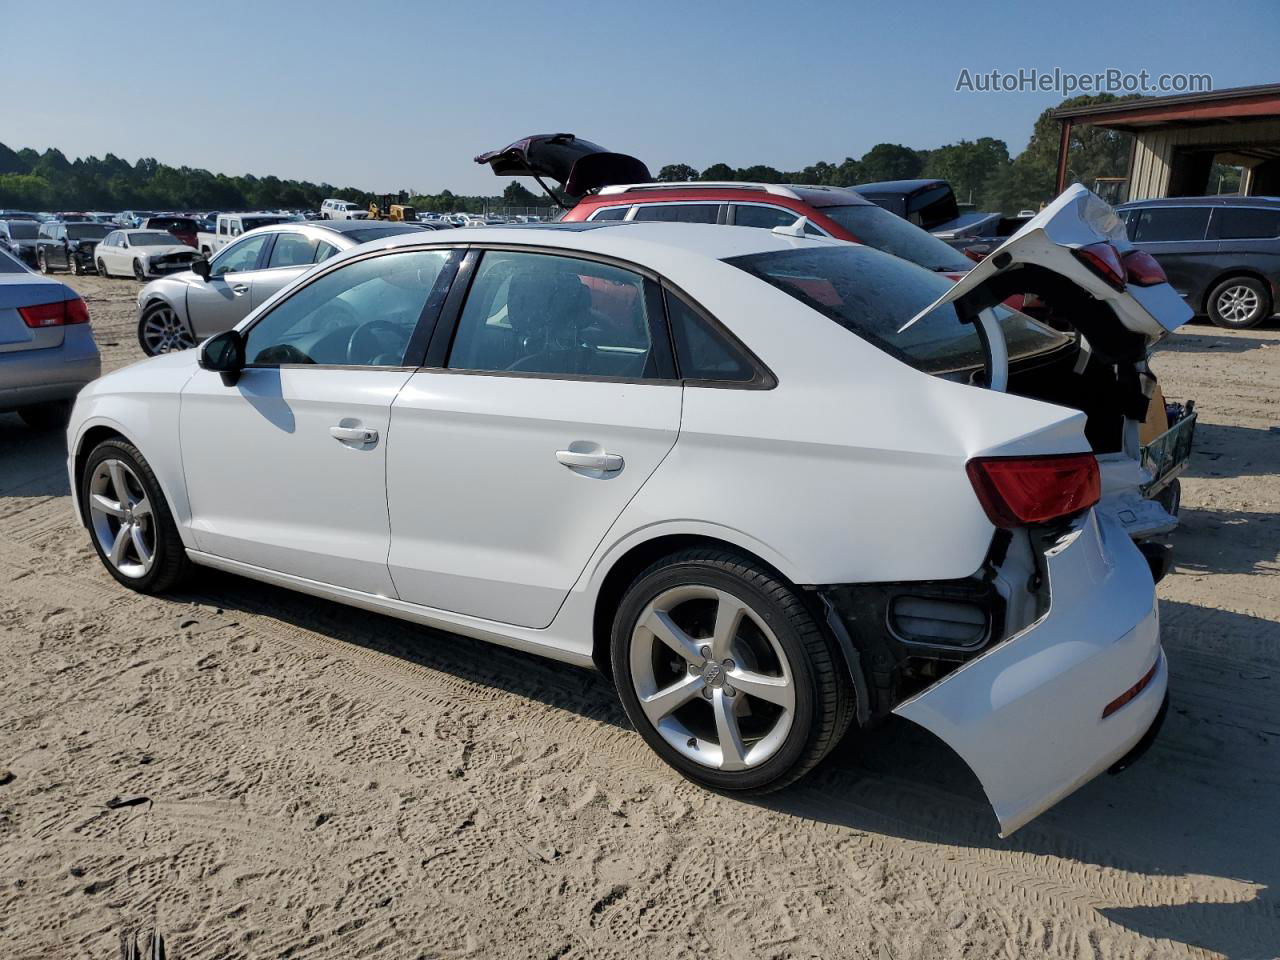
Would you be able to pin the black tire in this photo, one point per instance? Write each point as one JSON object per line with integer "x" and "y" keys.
{"x": 824, "y": 697}
{"x": 137, "y": 272}
{"x": 171, "y": 564}
{"x": 102, "y": 269}
{"x": 1239, "y": 290}
{"x": 47, "y": 416}
{"x": 42, "y": 262}
{"x": 73, "y": 265}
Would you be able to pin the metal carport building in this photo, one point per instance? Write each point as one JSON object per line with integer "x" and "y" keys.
{"x": 1177, "y": 139}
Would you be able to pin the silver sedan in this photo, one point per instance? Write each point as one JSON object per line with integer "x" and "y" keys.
{"x": 177, "y": 312}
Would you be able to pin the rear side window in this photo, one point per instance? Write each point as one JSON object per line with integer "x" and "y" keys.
{"x": 873, "y": 295}
{"x": 292, "y": 250}
{"x": 877, "y": 227}
{"x": 324, "y": 251}
{"x": 755, "y": 215}
{"x": 610, "y": 213}
{"x": 702, "y": 352}
{"x": 1159, "y": 224}
{"x": 537, "y": 313}
{"x": 1245, "y": 223}
{"x": 678, "y": 212}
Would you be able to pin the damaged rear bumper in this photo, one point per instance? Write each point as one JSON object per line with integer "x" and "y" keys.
{"x": 1031, "y": 715}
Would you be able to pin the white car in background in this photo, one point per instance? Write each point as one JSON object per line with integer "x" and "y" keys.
{"x": 775, "y": 485}
{"x": 142, "y": 254}
{"x": 343, "y": 210}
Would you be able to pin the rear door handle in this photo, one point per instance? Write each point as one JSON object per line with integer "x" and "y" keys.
{"x": 605, "y": 462}
{"x": 354, "y": 434}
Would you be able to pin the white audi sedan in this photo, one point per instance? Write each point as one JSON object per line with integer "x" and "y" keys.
{"x": 774, "y": 485}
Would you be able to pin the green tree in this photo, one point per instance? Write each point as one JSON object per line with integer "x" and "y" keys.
{"x": 717, "y": 171}
{"x": 968, "y": 166}
{"x": 890, "y": 161}
{"x": 677, "y": 173}
{"x": 517, "y": 194}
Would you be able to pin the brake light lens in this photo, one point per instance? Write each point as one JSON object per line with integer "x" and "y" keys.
{"x": 1143, "y": 270}
{"x": 1104, "y": 260}
{"x": 59, "y": 314}
{"x": 1019, "y": 491}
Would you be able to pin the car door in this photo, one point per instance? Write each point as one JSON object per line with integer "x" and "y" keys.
{"x": 226, "y": 297}
{"x": 1177, "y": 237}
{"x": 57, "y": 251}
{"x": 290, "y": 255}
{"x": 286, "y": 469}
{"x": 512, "y": 458}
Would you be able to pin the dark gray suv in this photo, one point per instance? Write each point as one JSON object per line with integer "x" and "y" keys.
{"x": 1221, "y": 253}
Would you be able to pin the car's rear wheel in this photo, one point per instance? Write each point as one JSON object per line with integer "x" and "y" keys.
{"x": 129, "y": 520}
{"x": 1239, "y": 303}
{"x": 47, "y": 416}
{"x": 161, "y": 330}
{"x": 138, "y": 273}
{"x": 726, "y": 674}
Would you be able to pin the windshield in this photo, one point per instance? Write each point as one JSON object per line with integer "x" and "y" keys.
{"x": 24, "y": 229}
{"x": 885, "y": 231}
{"x": 88, "y": 231}
{"x": 156, "y": 239}
{"x": 373, "y": 233}
{"x": 253, "y": 223}
{"x": 873, "y": 295}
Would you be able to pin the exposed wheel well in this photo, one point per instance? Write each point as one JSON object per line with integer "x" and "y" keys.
{"x": 1231, "y": 274}
{"x": 629, "y": 566}
{"x": 92, "y": 437}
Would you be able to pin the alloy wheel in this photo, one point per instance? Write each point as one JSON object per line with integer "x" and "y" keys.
{"x": 1238, "y": 303}
{"x": 164, "y": 332}
{"x": 712, "y": 678}
{"x": 121, "y": 517}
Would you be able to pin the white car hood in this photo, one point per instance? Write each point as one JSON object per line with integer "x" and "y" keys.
{"x": 163, "y": 251}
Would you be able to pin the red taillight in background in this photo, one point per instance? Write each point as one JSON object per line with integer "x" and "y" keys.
{"x": 1017, "y": 491}
{"x": 1142, "y": 269}
{"x": 59, "y": 314}
{"x": 1104, "y": 260}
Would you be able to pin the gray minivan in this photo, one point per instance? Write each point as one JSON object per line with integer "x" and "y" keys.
{"x": 1221, "y": 253}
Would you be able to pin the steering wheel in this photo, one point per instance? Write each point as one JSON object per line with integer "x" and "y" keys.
{"x": 371, "y": 340}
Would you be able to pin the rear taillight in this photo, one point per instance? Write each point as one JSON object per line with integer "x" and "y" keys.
{"x": 1018, "y": 491}
{"x": 1104, "y": 260}
{"x": 61, "y": 313}
{"x": 1142, "y": 269}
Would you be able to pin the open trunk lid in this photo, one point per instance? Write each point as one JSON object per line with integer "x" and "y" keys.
{"x": 577, "y": 166}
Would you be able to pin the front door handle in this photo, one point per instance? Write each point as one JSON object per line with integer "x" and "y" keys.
{"x": 604, "y": 462}
{"x": 354, "y": 434}
{"x": 239, "y": 289}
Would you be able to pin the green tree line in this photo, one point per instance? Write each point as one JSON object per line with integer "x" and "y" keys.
{"x": 981, "y": 171}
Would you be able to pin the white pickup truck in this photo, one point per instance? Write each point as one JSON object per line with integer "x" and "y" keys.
{"x": 231, "y": 225}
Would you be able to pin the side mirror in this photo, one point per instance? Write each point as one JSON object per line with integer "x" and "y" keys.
{"x": 224, "y": 354}
{"x": 200, "y": 268}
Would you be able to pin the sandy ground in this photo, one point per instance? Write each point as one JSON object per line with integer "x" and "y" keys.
{"x": 303, "y": 780}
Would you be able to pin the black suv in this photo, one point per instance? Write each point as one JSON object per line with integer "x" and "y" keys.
{"x": 1221, "y": 253}
{"x": 69, "y": 246}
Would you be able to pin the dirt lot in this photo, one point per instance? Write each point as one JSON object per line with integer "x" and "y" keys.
{"x": 313, "y": 781}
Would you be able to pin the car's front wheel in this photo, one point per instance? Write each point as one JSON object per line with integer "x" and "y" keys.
{"x": 129, "y": 520}
{"x": 42, "y": 264}
{"x": 102, "y": 269}
{"x": 73, "y": 264}
{"x": 161, "y": 330}
{"x": 726, "y": 674}
{"x": 1239, "y": 303}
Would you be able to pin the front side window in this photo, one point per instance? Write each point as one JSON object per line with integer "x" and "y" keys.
{"x": 873, "y": 295}
{"x": 362, "y": 314}
{"x": 292, "y": 250}
{"x": 538, "y": 313}
{"x": 678, "y": 212}
{"x": 238, "y": 257}
{"x": 1159, "y": 224}
{"x": 1245, "y": 223}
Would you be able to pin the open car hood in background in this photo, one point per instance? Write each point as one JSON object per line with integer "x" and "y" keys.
{"x": 577, "y": 166}
{"x": 1078, "y": 218}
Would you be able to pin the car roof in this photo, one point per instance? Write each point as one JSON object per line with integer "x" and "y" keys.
{"x": 155, "y": 230}
{"x": 1219, "y": 201}
{"x": 897, "y": 186}
{"x": 350, "y": 226}
{"x": 815, "y": 195}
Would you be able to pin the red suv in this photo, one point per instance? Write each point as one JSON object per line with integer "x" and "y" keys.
{"x": 595, "y": 184}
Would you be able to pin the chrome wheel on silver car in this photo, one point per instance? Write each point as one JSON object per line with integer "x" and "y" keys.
{"x": 161, "y": 330}
{"x": 725, "y": 673}
{"x": 122, "y": 519}
{"x": 712, "y": 678}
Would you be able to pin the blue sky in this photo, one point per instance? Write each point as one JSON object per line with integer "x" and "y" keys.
{"x": 383, "y": 95}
